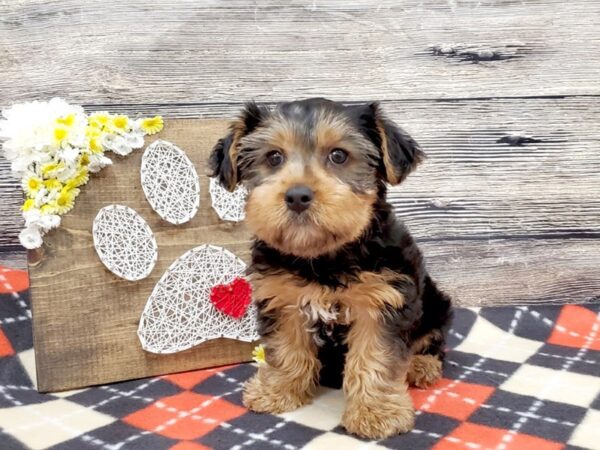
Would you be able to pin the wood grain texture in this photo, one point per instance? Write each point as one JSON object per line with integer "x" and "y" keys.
{"x": 168, "y": 51}
{"x": 516, "y": 271}
{"x": 11, "y": 221}
{"x": 14, "y": 258}
{"x": 85, "y": 318}
{"x": 497, "y": 168}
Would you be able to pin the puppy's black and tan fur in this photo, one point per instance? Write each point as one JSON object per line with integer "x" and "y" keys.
{"x": 340, "y": 284}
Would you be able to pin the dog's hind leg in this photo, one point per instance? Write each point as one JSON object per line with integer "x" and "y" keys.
{"x": 425, "y": 369}
{"x": 428, "y": 349}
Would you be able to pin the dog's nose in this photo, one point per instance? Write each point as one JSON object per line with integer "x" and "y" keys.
{"x": 298, "y": 198}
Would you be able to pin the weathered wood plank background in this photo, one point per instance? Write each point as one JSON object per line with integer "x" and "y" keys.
{"x": 502, "y": 94}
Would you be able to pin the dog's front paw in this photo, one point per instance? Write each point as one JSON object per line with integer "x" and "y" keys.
{"x": 379, "y": 417}
{"x": 270, "y": 398}
{"x": 424, "y": 371}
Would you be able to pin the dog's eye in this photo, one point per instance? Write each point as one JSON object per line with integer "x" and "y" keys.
{"x": 274, "y": 158}
{"x": 338, "y": 156}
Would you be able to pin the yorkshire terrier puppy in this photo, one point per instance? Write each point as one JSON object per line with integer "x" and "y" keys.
{"x": 340, "y": 284}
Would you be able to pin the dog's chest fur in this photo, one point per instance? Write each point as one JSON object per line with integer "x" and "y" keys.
{"x": 323, "y": 320}
{"x": 324, "y": 307}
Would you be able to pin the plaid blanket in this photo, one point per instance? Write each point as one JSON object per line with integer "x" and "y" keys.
{"x": 515, "y": 378}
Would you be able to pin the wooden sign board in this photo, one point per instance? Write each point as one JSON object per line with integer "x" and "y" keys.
{"x": 85, "y": 318}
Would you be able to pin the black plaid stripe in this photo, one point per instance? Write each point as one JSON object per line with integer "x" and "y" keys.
{"x": 117, "y": 435}
{"x": 10, "y": 443}
{"x": 228, "y": 382}
{"x": 555, "y": 356}
{"x": 15, "y": 320}
{"x": 555, "y": 421}
{"x": 429, "y": 429}
{"x": 471, "y": 369}
{"x": 260, "y": 432}
{"x": 16, "y": 388}
{"x": 463, "y": 321}
{"x": 122, "y": 399}
{"x": 535, "y": 324}
{"x": 596, "y": 403}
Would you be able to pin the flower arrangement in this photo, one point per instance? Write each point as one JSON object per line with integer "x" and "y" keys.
{"x": 54, "y": 146}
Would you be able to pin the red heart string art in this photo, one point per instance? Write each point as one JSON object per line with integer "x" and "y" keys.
{"x": 232, "y": 299}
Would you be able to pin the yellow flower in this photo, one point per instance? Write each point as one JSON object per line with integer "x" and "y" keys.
{"x": 152, "y": 125}
{"x": 81, "y": 178}
{"x": 120, "y": 123}
{"x": 32, "y": 184}
{"x": 50, "y": 169}
{"x": 92, "y": 132}
{"x": 258, "y": 354}
{"x": 53, "y": 184}
{"x": 47, "y": 209}
{"x": 72, "y": 183}
{"x": 29, "y": 203}
{"x": 93, "y": 125}
{"x": 99, "y": 120}
{"x": 95, "y": 145}
{"x": 67, "y": 120}
{"x": 60, "y": 134}
{"x": 84, "y": 159}
{"x": 64, "y": 202}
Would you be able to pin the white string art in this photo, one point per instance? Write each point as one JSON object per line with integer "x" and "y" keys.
{"x": 179, "y": 313}
{"x": 228, "y": 205}
{"x": 170, "y": 182}
{"x": 124, "y": 242}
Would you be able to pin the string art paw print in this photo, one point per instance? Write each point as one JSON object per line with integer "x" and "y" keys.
{"x": 203, "y": 294}
{"x": 124, "y": 242}
{"x": 228, "y": 205}
{"x": 170, "y": 182}
{"x": 180, "y": 313}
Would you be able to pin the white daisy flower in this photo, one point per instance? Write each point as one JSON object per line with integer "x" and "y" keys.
{"x": 22, "y": 159}
{"x": 41, "y": 197}
{"x": 32, "y": 216}
{"x": 98, "y": 162}
{"x": 136, "y": 126}
{"x": 69, "y": 155}
{"x": 49, "y": 221}
{"x": 31, "y": 237}
{"x": 31, "y": 125}
{"x": 135, "y": 140}
{"x": 31, "y": 183}
{"x": 19, "y": 165}
{"x": 116, "y": 144}
{"x": 67, "y": 173}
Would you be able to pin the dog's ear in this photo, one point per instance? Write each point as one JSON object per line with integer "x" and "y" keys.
{"x": 223, "y": 158}
{"x": 400, "y": 153}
